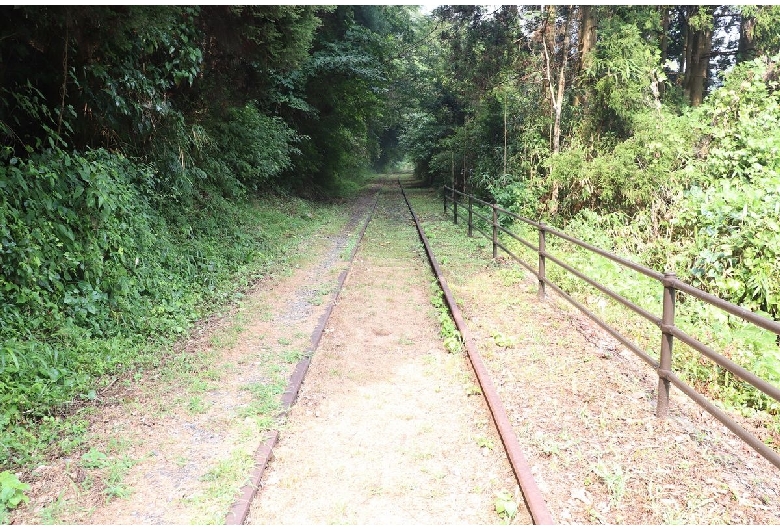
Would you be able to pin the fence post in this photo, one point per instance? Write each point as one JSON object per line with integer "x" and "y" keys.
{"x": 445, "y": 200}
{"x": 470, "y": 218}
{"x": 665, "y": 365}
{"x": 542, "y": 261}
{"x": 454, "y": 207}
{"x": 495, "y": 231}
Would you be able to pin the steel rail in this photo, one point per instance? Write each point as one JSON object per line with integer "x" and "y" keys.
{"x": 239, "y": 511}
{"x": 531, "y": 493}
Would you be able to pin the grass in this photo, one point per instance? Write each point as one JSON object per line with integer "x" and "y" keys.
{"x": 194, "y": 374}
{"x": 26, "y": 444}
{"x": 292, "y": 356}
{"x": 614, "y": 478}
{"x": 110, "y": 470}
{"x": 221, "y": 485}
{"x": 265, "y": 403}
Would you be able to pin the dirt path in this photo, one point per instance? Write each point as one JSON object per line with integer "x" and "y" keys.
{"x": 387, "y": 428}
{"x": 174, "y": 445}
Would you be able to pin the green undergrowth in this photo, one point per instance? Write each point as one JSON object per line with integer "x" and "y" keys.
{"x": 95, "y": 281}
{"x": 450, "y": 248}
{"x": 743, "y": 343}
{"x": 448, "y": 330}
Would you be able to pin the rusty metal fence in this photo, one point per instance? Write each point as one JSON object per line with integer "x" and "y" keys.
{"x": 670, "y": 285}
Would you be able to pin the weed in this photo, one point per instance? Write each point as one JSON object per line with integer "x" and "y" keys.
{"x": 453, "y": 341}
{"x": 116, "y": 445}
{"x": 197, "y": 405}
{"x": 293, "y": 356}
{"x": 472, "y": 389}
{"x": 265, "y": 399}
{"x": 547, "y": 445}
{"x": 115, "y": 470}
{"x": 11, "y": 493}
{"x": 615, "y": 480}
{"x": 199, "y": 385}
{"x": 52, "y": 514}
{"x": 485, "y": 443}
{"x": 504, "y": 341}
{"x": 506, "y": 506}
{"x": 221, "y": 483}
{"x": 120, "y": 491}
{"x": 94, "y": 459}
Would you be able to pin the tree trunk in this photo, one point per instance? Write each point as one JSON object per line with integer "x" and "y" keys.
{"x": 561, "y": 86}
{"x": 548, "y": 43}
{"x": 664, "y": 43}
{"x": 556, "y": 96}
{"x": 747, "y": 47}
{"x": 586, "y": 39}
{"x": 664, "y": 34}
{"x": 698, "y": 50}
{"x": 685, "y": 60}
{"x": 587, "y": 35}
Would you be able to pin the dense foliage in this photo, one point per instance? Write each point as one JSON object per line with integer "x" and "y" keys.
{"x": 648, "y": 130}
{"x": 140, "y": 147}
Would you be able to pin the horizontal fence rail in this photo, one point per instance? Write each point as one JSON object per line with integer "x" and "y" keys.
{"x": 670, "y": 284}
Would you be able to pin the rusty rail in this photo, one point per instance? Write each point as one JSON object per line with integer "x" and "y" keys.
{"x": 671, "y": 285}
{"x": 239, "y": 510}
{"x": 522, "y": 470}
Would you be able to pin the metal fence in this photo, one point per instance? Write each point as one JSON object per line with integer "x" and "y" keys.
{"x": 670, "y": 285}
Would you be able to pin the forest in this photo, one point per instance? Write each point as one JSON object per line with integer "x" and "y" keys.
{"x": 140, "y": 147}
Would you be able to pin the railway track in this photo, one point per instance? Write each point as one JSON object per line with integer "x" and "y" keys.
{"x": 391, "y": 199}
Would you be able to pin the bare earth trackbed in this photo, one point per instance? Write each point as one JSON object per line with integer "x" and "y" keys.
{"x": 391, "y": 428}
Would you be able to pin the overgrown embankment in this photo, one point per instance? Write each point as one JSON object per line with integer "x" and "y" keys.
{"x": 618, "y": 150}
{"x": 97, "y": 279}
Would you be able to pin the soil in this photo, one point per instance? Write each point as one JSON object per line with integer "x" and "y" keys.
{"x": 389, "y": 421}
{"x": 389, "y": 427}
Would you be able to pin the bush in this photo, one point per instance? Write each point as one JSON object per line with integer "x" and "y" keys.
{"x": 93, "y": 280}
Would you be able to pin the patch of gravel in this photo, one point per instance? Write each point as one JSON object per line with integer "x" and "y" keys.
{"x": 300, "y": 307}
